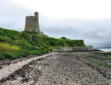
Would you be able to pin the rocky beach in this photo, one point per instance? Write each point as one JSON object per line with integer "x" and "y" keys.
{"x": 62, "y": 68}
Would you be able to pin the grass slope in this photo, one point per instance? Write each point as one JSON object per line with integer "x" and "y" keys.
{"x": 14, "y": 44}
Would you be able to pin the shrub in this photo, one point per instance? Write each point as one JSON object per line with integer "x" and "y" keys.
{"x": 15, "y": 44}
{"x": 18, "y": 54}
{"x": 63, "y": 37}
{"x": 15, "y": 55}
{"x": 8, "y": 47}
{"x": 5, "y": 39}
{"x": 2, "y": 57}
{"x": 35, "y": 52}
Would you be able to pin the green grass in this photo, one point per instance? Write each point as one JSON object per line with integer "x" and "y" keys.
{"x": 14, "y": 44}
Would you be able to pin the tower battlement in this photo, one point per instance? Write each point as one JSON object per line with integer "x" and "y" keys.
{"x": 32, "y": 23}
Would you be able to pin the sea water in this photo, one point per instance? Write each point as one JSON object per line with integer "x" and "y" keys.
{"x": 106, "y": 49}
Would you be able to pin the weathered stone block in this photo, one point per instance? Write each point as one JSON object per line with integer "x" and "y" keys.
{"x": 32, "y": 23}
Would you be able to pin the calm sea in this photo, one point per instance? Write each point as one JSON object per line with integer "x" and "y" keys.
{"x": 106, "y": 49}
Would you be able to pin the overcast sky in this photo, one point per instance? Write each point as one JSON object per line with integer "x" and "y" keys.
{"x": 89, "y": 20}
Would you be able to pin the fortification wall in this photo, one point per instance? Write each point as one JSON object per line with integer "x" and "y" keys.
{"x": 32, "y": 23}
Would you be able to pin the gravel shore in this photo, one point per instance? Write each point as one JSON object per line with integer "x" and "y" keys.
{"x": 63, "y": 68}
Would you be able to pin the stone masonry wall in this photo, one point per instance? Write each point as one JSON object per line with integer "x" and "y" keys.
{"x": 32, "y": 23}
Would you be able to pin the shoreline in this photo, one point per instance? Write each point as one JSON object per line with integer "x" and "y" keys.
{"x": 7, "y": 70}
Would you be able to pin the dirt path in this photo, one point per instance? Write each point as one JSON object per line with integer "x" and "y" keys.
{"x": 59, "y": 69}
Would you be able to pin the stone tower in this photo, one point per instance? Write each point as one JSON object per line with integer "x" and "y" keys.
{"x": 32, "y": 23}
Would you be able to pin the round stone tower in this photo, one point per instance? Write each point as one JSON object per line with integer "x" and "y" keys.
{"x": 37, "y": 21}
{"x": 32, "y": 23}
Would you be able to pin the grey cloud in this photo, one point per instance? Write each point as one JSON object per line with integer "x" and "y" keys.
{"x": 94, "y": 32}
{"x": 12, "y": 16}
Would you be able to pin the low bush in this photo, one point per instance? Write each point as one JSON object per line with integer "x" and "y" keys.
{"x": 2, "y": 57}
{"x": 15, "y": 44}
{"x": 7, "y": 48}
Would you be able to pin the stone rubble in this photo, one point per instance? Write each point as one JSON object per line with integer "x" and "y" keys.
{"x": 63, "y": 68}
{"x": 9, "y": 69}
